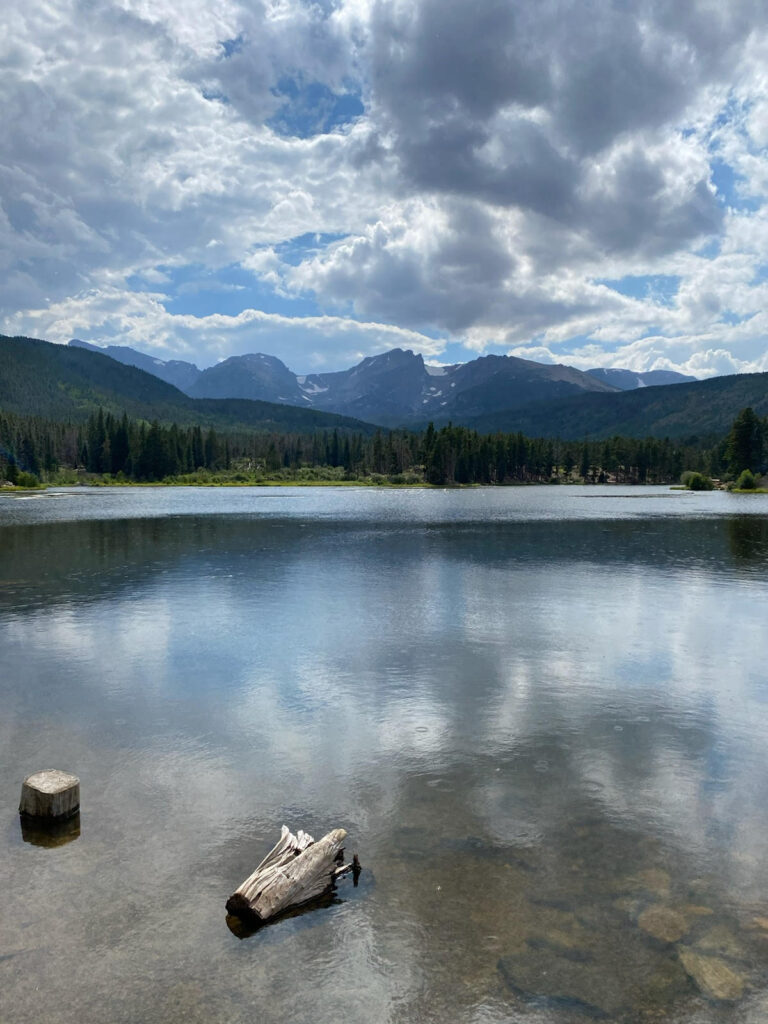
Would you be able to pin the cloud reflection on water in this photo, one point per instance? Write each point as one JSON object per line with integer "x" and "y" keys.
{"x": 515, "y": 706}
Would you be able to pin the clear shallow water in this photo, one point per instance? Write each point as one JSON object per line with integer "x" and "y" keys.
{"x": 540, "y": 714}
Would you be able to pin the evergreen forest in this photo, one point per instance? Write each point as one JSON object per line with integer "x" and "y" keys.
{"x": 108, "y": 448}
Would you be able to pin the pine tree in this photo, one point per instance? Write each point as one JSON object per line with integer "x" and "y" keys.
{"x": 744, "y": 446}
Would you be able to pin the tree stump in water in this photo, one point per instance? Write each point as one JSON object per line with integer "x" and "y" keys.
{"x": 50, "y": 795}
{"x": 297, "y": 869}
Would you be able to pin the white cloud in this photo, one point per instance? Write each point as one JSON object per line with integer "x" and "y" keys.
{"x": 305, "y": 343}
{"x": 503, "y": 168}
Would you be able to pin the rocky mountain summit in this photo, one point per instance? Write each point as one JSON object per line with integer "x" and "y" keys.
{"x": 396, "y": 388}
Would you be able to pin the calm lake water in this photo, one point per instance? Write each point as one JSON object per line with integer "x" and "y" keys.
{"x": 541, "y": 714}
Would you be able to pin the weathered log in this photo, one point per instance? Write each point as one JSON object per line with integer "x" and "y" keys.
{"x": 297, "y": 869}
{"x": 51, "y": 795}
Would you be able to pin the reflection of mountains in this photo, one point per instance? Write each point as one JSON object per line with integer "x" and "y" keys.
{"x": 93, "y": 559}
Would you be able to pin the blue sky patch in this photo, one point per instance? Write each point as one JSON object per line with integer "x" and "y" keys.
{"x": 214, "y": 95}
{"x": 295, "y": 250}
{"x": 710, "y": 250}
{"x": 565, "y": 347}
{"x": 455, "y": 352}
{"x": 311, "y": 108}
{"x": 729, "y": 317}
{"x": 727, "y": 182}
{"x": 230, "y": 46}
{"x": 659, "y": 288}
{"x": 197, "y": 291}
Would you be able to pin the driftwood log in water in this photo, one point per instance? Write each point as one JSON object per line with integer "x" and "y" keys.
{"x": 296, "y": 870}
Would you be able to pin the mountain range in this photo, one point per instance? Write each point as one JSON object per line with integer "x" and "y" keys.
{"x": 394, "y": 389}
{"x": 63, "y": 382}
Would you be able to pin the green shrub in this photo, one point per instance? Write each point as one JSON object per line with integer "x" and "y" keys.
{"x": 746, "y": 481}
{"x": 696, "y": 481}
{"x": 65, "y": 477}
{"x": 405, "y": 478}
{"x": 30, "y": 480}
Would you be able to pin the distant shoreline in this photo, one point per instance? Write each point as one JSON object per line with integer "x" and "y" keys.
{"x": 368, "y": 484}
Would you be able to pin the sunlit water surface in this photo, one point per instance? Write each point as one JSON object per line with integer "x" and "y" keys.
{"x": 541, "y": 714}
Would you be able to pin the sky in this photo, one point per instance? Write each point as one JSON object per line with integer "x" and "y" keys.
{"x": 575, "y": 181}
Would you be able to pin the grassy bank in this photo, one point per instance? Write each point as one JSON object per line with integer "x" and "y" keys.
{"x": 303, "y": 477}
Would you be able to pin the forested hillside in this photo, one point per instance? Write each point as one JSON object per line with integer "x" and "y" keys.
{"x": 703, "y": 409}
{"x": 61, "y": 382}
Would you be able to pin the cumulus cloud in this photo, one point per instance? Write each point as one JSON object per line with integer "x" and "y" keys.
{"x": 308, "y": 343}
{"x": 487, "y": 174}
{"x": 121, "y": 151}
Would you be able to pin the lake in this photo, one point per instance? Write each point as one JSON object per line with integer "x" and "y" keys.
{"x": 540, "y": 713}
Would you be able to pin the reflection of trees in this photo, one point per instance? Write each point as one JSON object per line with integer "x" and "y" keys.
{"x": 748, "y": 537}
{"x": 91, "y": 559}
{"x": 59, "y": 559}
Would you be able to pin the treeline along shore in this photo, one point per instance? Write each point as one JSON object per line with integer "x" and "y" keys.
{"x": 116, "y": 449}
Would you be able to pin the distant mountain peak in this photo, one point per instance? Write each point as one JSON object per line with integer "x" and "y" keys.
{"x": 629, "y": 380}
{"x": 180, "y": 374}
{"x": 394, "y": 357}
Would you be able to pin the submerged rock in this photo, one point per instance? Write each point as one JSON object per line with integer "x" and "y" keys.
{"x": 712, "y": 975}
{"x": 651, "y": 880}
{"x": 559, "y": 928}
{"x": 628, "y": 905}
{"x": 562, "y": 982}
{"x": 721, "y": 939}
{"x": 606, "y": 980}
{"x": 696, "y": 910}
{"x": 663, "y": 923}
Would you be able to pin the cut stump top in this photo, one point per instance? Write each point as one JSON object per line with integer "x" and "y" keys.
{"x": 51, "y": 780}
